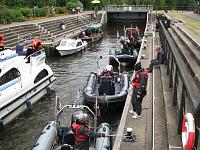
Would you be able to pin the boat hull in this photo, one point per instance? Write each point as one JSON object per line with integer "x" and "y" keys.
{"x": 124, "y": 59}
{"x": 24, "y": 101}
{"x": 70, "y": 51}
{"x": 91, "y": 40}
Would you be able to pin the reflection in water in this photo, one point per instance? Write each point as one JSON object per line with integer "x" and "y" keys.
{"x": 71, "y": 74}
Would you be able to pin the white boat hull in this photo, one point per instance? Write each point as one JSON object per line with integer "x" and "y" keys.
{"x": 18, "y": 105}
{"x": 69, "y": 52}
{"x": 27, "y": 83}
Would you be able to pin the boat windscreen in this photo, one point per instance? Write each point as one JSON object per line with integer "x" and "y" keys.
{"x": 68, "y": 43}
{"x": 63, "y": 43}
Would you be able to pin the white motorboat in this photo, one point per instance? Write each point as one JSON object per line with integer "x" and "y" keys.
{"x": 71, "y": 46}
{"x": 22, "y": 83}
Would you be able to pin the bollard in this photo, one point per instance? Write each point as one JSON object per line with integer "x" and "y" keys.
{"x": 129, "y": 132}
{"x": 129, "y": 137}
{"x": 144, "y": 47}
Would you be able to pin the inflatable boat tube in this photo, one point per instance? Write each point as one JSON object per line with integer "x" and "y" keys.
{"x": 47, "y": 137}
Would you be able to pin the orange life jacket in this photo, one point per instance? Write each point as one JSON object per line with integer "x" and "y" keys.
{"x": 79, "y": 138}
{"x": 36, "y": 42}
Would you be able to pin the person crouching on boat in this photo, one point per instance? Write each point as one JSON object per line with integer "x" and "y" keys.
{"x": 1, "y": 43}
{"x": 82, "y": 132}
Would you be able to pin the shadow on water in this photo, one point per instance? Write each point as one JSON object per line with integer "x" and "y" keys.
{"x": 71, "y": 74}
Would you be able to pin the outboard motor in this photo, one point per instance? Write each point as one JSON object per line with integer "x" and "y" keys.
{"x": 103, "y": 143}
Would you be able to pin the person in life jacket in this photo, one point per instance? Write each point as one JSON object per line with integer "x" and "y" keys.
{"x": 137, "y": 31}
{"x": 139, "y": 84}
{"x": 129, "y": 33}
{"x": 108, "y": 71}
{"x": 82, "y": 132}
{"x": 36, "y": 44}
{"x": 1, "y": 43}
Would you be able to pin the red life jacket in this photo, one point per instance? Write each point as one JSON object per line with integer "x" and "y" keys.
{"x": 1, "y": 40}
{"x": 132, "y": 41}
{"x": 36, "y": 42}
{"x": 136, "y": 79}
{"x": 79, "y": 138}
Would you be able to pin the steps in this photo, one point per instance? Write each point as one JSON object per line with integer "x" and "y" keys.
{"x": 189, "y": 53}
{"x": 47, "y": 30}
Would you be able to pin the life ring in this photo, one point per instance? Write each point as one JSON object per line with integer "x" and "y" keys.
{"x": 188, "y": 132}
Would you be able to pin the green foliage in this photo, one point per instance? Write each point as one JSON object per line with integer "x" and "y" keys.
{"x": 26, "y": 12}
{"x": 59, "y": 10}
{"x": 4, "y": 15}
{"x": 61, "y": 2}
{"x": 70, "y": 5}
{"x": 15, "y": 15}
{"x": 41, "y": 12}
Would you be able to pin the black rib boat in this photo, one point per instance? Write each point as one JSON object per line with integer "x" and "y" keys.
{"x": 110, "y": 91}
{"x": 128, "y": 52}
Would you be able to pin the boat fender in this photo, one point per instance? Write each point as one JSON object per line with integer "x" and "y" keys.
{"x": 188, "y": 132}
{"x": 1, "y": 125}
{"x": 29, "y": 104}
{"x": 48, "y": 90}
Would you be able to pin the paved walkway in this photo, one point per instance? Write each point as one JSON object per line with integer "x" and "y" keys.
{"x": 193, "y": 15}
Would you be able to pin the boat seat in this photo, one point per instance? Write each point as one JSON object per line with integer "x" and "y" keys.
{"x": 107, "y": 86}
{"x": 65, "y": 147}
{"x": 69, "y": 138}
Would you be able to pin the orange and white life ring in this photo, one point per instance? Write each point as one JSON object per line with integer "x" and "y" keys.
{"x": 188, "y": 132}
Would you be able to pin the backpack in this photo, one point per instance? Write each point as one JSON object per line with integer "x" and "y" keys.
{"x": 143, "y": 81}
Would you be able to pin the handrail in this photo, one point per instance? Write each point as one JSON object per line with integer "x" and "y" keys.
{"x": 177, "y": 70}
{"x": 129, "y": 8}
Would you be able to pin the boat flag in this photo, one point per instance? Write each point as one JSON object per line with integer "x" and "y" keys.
{"x": 97, "y": 109}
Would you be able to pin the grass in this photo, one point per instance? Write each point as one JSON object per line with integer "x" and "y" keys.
{"x": 188, "y": 22}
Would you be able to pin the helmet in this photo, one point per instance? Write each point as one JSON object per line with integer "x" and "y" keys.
{"x": 82, "y": 117}
{"x": 109, "y": 68}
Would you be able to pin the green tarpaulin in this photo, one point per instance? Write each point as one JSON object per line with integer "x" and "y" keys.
{"x": 93, "y": 26}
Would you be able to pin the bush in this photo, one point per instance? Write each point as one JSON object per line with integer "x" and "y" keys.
{"x": 4, "y": 15}
{"x": 59, "y": 10}
{"x": 41, "y": 12}
{"x": 15, "y": 15}
{"x": 71, "y": 5}
{"x": 26, "y": 12}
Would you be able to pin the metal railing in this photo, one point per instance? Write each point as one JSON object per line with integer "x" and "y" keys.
{"x": 132, "y": 8}
{"x": 185, "y": 90}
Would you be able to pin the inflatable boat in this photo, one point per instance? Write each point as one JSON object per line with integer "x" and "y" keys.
{"x": 58, "y": 136}
{"x": 129, "y": 46}
{"x": 110, "y": 91}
